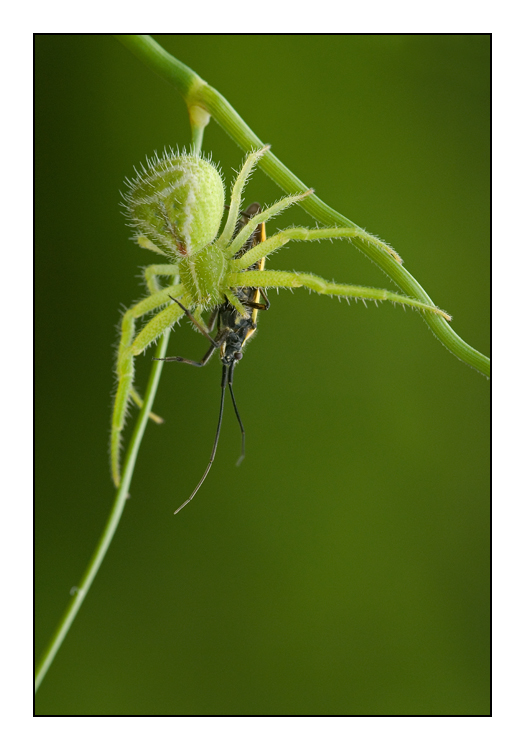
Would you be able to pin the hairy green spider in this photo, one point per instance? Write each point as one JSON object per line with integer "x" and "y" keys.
{"x": 175, "y": 205}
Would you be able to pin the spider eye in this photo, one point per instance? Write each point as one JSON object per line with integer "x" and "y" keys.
{"x": 237, "y": 355}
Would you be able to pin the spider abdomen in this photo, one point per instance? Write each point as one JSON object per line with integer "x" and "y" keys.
{"x": 176, "y": 202}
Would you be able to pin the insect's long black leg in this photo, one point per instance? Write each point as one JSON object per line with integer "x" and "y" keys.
{"x": 195, "y": 322}
{"x": 214, "y": 450}
{"x": 213, "y": 318}
{"x": 204, "y": 361}
{"x": 216, "y": 342}
{"x": 267, "y": 301}
{"x": 258, "y": 305}
{"x": 243, "y": 434}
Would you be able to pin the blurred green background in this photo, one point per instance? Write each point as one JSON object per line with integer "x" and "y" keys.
{"x": 344, "y": 567}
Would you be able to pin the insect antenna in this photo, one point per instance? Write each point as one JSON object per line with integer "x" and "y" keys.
{"x": 216, "y": 441}
{"x": 243, "y": 434}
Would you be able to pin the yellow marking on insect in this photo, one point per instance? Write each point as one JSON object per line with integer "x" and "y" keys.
{"x": 257, "y": 296}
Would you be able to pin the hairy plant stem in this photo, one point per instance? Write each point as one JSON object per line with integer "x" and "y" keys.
{"x": 198, "y": 95}
{"x": 78, "y": 594}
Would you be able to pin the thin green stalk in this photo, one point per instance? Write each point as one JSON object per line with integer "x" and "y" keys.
{"x": 199, "y": 96}
{"x": 112, "y": 522}
{"x": 122, "y": 495}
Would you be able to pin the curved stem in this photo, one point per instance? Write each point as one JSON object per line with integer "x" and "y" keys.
{"x": 122, "y": 493}
{"x": 198, "y": 94}
{"x": 112, "y": 522}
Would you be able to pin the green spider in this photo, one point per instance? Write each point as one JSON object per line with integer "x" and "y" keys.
{"x": 175, "y": 205}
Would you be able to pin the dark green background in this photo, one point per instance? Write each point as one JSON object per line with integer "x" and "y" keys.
{"x": 344, "y": 568}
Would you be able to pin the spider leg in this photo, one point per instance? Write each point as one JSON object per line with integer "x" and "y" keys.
{"x": 139, "y": 402}
{"x": 151, "y": 273}
{"x": 276, "y": 208}
{"x": 289, "y": 280}
{"x": 235, "y": 302}
{"x": 303, "y": 234}
{"x": 236, "y": 196}
{"x": 130, "y": 347}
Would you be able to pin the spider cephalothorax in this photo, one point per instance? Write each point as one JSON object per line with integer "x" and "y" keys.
{"x": 175, "y": 206}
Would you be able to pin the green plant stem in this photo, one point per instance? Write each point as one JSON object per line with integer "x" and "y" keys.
{"x": 198, "y": 94}
{"x": 112, "y": 522}
{"x": 80, "y": 591}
